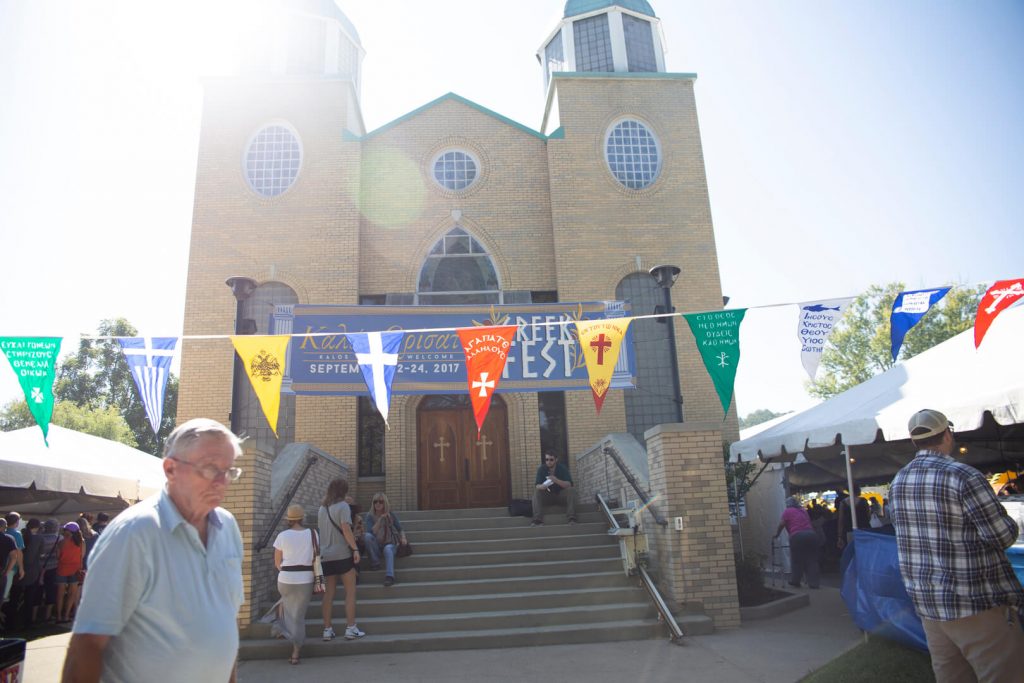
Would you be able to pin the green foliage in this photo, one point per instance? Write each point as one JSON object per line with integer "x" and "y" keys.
{"x": 96, "y": 379}
{"x": 103, "y": 422}
{"x": 749, "y": 580}
{"x": 757, "y": 417}
{"x": 876, "y": 660}
{"x": 739, "y": 477}
{"x": 860, "y": 345}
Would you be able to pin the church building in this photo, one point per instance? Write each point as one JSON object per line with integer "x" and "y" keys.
{"x": 450, "y": 211}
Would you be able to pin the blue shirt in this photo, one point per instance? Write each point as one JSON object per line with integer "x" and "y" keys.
{"x": 168, "y": 602}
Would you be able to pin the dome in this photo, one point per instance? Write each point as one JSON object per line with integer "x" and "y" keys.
{"x": 576, "y": 7}
{"x": 330, "y": 10}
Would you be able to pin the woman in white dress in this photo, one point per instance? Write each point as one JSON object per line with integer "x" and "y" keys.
{"x": 293, "y": 558}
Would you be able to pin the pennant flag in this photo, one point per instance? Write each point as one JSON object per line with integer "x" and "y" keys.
{"x": 718, "y": 339}
{"x": 377, "y": 355}
{"x": 486, "y": 350}
{"x": 813, "y": 328}
{"x": 34, "y": 361}
{"x": 907, "y": 310}
{"x": 149, "y": 359}
{"x": 263, "y": 358}
{"x": 997, "y": 299}
{"x": 601, "y": 341}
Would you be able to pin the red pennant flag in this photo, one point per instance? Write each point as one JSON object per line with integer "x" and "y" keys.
{"x": 486, "y": 350}
{"x": 997, "y": 299}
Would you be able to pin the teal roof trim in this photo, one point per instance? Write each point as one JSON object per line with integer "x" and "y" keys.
{"x": 575, "y": 8}
{"x": 652, "y": 75}
{"x": 463, "y": 100}
{"x": 557, "y": 134}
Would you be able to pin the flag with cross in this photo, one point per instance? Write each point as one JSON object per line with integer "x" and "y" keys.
{"x": 149, "y": 359}
{"x": 377, "y": 356}
{"x": 600, "y": 341}
{"x": 486, "y": 350}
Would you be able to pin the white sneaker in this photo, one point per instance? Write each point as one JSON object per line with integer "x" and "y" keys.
{"x": 353, "y": 632}
{"x": 329, "y": 633}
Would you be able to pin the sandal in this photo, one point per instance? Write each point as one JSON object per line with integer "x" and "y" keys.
{"x": 293, "y": 660}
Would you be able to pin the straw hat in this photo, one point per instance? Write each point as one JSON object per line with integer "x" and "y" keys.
{"x": 295, "y": 512}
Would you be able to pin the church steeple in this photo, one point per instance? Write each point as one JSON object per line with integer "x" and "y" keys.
{"x": 604, "y": 36}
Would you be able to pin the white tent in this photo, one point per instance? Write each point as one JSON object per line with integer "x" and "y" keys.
{"x": 981, "y": 391}
{"x": 77, "y": 473}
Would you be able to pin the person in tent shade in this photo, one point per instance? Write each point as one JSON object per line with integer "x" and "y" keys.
{"x": 165, "y": 577}
{"x": 951, "y": 537}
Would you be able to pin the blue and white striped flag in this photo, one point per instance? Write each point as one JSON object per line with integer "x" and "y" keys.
{"x": 149, "y": 359}
{"x": 377, "y": 355}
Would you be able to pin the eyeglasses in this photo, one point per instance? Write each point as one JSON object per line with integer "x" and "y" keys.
{"x": 211, "y": 473}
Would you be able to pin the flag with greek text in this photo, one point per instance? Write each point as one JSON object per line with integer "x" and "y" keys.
{"x": 600, "y": 341}
{"x": 718, "y": 339}
{"x": 814, "y": 326}
{"x": 907, "y": 310}
{"x": 486, "y": 350}
{"x": 34, "y": 361}
{"x": 377, "y": 355}
{"x": 263, "y": 358}
{"x": 997, "y": 299}
{"x": 149, "y": 359}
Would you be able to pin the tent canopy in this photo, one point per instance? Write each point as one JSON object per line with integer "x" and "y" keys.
{"x": 77, "y": 473}
{"x": 981, "y": 392}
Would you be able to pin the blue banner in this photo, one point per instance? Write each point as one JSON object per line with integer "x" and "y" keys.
{"x": 907, "y": 310}
{"x": 431, "y": 361}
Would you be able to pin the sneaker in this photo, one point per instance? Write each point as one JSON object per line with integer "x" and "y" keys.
{"x": 389, "y": 581}
{"x": 353, "y": 632}
{"x": 329, "y": 633}
{"x": 537, "y": 522}
{"x": 572, "y": 520}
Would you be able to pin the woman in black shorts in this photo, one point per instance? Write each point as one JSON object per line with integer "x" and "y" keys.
{"x": 339, "y": 555}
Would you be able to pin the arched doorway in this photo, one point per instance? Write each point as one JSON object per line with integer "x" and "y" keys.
{"x": 455, "y": 469}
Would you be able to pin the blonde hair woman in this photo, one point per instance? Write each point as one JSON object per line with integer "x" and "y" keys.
{"x": 340, "y": 555}
{"x": 383, "y": 534}
{"x": 293, "y": 559}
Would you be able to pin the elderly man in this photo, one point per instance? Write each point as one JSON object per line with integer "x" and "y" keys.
{"x": 165, "y": 582}
{"x": 951, "y": 536}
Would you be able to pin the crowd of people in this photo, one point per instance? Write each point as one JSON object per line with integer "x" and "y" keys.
{"x": 44, "y": 564}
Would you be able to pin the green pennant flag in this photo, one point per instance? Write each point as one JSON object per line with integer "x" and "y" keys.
{"x": 34, "y": 361}
{"x": 718, "y": 339}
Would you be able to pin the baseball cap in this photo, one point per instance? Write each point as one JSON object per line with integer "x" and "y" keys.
{"x": 295, "y": 511}
{"x": 926, "y": 423}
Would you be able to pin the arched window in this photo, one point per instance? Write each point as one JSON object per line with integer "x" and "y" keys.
{"x": 272, "y": 160}
{"x": 632, "y": 153}
{"x": 458, "y": 271}
{"x": 653, "y": 401}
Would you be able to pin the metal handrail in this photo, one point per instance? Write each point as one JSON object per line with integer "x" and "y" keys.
{"x": 646, "y": 580}
{"x": 285, "y": 502}
{"x": 617, "y": 459}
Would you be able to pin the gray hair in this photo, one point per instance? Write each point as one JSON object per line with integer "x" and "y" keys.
{"x": 184, "y": 438}
{"x": 792, "y": 502}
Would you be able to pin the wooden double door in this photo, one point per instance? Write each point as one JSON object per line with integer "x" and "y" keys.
{"x": 455, "y": 468}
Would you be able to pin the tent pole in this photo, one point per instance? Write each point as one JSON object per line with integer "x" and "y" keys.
{"x": 849, "y": 483}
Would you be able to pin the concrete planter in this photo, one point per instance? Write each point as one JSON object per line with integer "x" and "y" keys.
{"x": 784, "y": 605}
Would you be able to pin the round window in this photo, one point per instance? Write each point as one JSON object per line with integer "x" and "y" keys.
{"x": 455, "y": 170}
{"x": 632, "y": 154}
{"x": 272, "y": 160}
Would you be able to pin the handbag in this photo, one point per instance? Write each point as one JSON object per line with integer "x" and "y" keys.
{"x": 404, "y": 550}
{"x": 318, "y": 568}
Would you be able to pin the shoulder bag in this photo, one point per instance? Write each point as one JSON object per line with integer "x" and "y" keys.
{"x": 318, "y": 568}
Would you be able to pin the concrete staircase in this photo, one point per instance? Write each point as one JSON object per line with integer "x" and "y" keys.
{"x": 482, "y": 579}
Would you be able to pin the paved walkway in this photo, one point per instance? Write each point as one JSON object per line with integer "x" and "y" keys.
{"x": 781, "y": 649}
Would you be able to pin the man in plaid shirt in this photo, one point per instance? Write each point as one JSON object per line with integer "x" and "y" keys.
{"x": 952, "y": 533}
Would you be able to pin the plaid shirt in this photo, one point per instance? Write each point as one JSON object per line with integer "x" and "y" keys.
{"x": 951, "y": 533}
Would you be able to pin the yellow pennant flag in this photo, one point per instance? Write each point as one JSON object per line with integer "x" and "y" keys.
{"x": 601, "y": 341}
{"x": 263, "y": 359}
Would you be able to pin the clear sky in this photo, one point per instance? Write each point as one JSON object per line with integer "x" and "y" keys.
{"x": 846, "y": 144}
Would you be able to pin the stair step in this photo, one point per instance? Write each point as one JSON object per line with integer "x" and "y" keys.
{"x": 506, "y": 522}
{"x": 548, "y": 541}
{"x": 438, "y": 515}
{"x": 529, "y": 555}
{"x": 520, "y": 584}
{"x": 505, "y": 571}
{"x": 525, "y": 531}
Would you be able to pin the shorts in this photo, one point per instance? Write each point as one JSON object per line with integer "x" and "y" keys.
{"x": 338, "y": 567}
{"x": 71, "y": 578}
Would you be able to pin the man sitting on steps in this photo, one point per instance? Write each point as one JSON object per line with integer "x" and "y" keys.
{"x": 554, "y": 485}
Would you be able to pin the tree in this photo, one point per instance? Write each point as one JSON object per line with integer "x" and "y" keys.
{"x": 103, "y": 422}
{"x": 96, "y": 378}
{"x": 759, "y": 416}
{"x": 860, "y": 345}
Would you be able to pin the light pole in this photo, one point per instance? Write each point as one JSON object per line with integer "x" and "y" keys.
{"x": 665, "y": 276}
{"x": 242, "y": 288}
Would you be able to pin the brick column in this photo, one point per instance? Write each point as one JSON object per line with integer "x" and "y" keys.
{"x": 248, "y": 499}
{"x": 695, "y": 566}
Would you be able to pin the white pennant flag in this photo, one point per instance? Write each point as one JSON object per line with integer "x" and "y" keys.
{"x": 817, "y": 318}
{"x": 149, "y": 359}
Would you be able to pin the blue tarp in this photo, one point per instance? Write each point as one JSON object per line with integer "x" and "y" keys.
{"x": 874, "y": 593}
